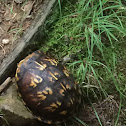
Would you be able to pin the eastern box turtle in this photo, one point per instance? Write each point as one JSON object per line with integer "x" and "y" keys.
{"x": 47, "y": 88}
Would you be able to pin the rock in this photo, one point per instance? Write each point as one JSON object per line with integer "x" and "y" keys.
{"x": 13, "y": 109}
{"x": 13, "y": 112}
{"x": 5, "y": 41}
{"x": 19, "y": 1}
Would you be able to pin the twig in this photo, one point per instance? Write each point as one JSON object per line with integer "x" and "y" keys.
{"x": 3, "y": 49}
{"x": 5, "y": 84}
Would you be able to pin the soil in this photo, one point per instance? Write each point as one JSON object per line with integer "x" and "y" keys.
{"x": 15, "y": 18}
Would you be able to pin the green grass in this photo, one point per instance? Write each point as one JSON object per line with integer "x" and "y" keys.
{"x": 93, "y": 32}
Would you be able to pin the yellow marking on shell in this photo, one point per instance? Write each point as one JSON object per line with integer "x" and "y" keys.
{"x": 66, "y": 72}
{"x": 53, "y": 76}
{"x": 16, "y": 76}
{"x": 68, "y": 86}
{"x": 41, "y": 67}
{"x": 17, "y": 71}
{"x": 56, "y": 73}
{"x": 40, "y": 95}
{"x": 37, "y": 79}
{"x": 50, "y": 79}
{"x": 26, "y": 59}
{"x": 63, "y": 113}
{"x": 52, "y": 61}
{"x": 49, "y": 122}
{"x": 19, "y": 64}
{"x": 39, "y": 92}
{"x": 54, "y": 105}
{"x": 33, "y": 84}
{"x": 50, "y": 109}
{"x": 45, "y": 92}
{"x": 49, "y": 89}
{"x": 62, "y": 86}
{"x": 58, "y": 103}
{"x": 61, "y": 92}
{"x": 29, "y": 56}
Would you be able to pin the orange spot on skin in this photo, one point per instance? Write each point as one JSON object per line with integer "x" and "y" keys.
{"x": 63, "y": 112}
{"x": 61, "y": 92}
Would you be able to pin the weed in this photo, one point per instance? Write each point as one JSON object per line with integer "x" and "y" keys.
{"x": 91, "y": 30}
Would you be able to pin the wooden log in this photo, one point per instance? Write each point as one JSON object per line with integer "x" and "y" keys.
{"x": 9, "y": 64}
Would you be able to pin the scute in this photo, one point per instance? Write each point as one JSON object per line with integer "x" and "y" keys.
{"x": 47, "y": 88}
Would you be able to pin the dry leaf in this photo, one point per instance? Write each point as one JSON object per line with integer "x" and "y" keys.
{"x": 28, "y": 7}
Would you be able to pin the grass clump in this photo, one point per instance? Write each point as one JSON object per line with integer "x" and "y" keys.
{"x": 92, "y": 33}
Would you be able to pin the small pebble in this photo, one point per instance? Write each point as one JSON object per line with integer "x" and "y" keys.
{"x": 19, "y": 1}
{"x": 5, "y": 41}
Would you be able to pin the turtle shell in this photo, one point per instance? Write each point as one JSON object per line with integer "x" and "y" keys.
{"x": 47, "y": 88}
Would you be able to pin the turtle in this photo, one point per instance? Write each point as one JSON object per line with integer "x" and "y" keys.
{"x": 47, "y": 88}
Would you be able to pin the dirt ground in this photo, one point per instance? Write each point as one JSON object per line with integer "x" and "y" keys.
{"x": 15, "y": 18}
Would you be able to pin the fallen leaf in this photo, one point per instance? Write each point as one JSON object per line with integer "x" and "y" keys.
{"x": 28, "y": 7}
